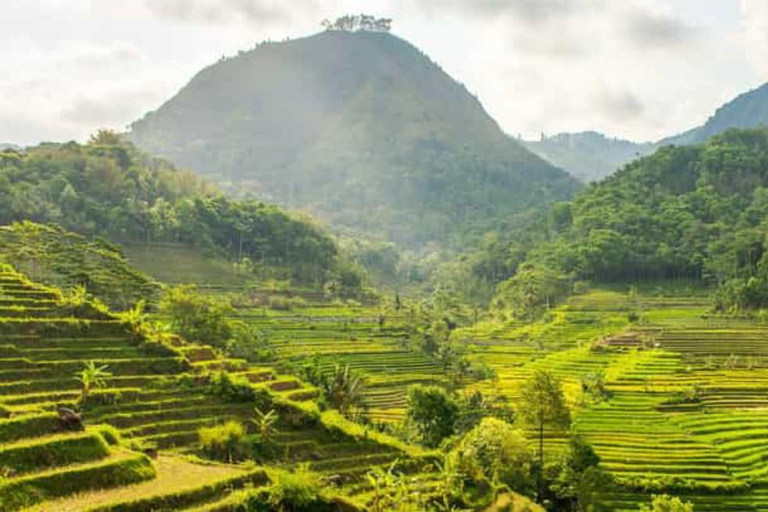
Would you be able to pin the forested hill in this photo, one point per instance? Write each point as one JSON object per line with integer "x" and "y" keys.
{"x": 591, "y": 156}
{"x": 698, "y": 213}
{"x": 360, "y": 128}
{"x": 110, "y": 189}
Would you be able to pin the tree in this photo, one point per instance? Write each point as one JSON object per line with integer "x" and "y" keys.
{"x": 266, "y": 423}
{"x": 196, "y": 317}
{"x": 664, "y": 503}
{"x": 432, "y": 413}
{"x": 494, "y": 452}
{"x": 344, "y": 389}
{"x": 91, "y": 377}
{"x": 543, "y": 405}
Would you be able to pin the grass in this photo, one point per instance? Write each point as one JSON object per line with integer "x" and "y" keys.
{"x": 175, "y": 474}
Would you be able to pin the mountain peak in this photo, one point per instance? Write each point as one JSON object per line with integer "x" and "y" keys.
{"x": 359, "y": 128}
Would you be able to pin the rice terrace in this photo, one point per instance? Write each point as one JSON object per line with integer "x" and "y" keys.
{"x": 246, "y": 272}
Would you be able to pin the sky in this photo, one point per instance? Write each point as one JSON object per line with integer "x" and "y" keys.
{"x": 636, "y": 69}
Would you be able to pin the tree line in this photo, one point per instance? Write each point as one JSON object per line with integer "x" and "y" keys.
{"x": 358, "y": 23}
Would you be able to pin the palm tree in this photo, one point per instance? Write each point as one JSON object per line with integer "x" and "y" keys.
{"x": 345, "y": 389}
{"x": 265, "y": 423}
{"x": 91, "y": 377}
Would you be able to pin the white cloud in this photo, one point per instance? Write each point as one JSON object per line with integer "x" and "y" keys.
{"x": 755, "y": 20}
{"x": 226, "y": 11}
{"x": 642, "y": 69}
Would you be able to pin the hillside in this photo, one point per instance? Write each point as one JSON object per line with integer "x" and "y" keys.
{"x": 748, "y": 110}
{"x": 157, "y": 394}
{"x": 54, "y": 256}
{"x": 110, "y": 189}
{"x": 591, "y": 156}
{"x": 359, "y": 128}
{"x": 688, "y": 213}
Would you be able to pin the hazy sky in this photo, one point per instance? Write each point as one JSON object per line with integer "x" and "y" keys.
{"x": 640, "y": 69}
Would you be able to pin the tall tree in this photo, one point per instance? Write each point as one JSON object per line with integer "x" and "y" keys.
{"x": 543, "y": 406}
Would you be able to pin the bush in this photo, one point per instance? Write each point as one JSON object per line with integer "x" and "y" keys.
{"x": 494, "y": 453}
{"x": 432, "y": 413}
{"x": 236, "y": 388}
{"x": 223, "y": 442}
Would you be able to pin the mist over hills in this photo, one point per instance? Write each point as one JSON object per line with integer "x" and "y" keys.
{"x": 359, "y": 128}
{"x": 591, "y": 156}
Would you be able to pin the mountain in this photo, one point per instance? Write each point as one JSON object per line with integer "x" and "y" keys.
{"x": 4, "y": 146}
{"x": 361, "y": 129}
{"x": 591, "y": 156}
{"x": 748, "y": 110}
{"x": 588, "y": 156}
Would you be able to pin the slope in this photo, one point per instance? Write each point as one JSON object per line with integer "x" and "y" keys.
{"x": 108, "y": 188}
{"x": 591, "y": 156}
{"x": 159, "y": 392}
{"x": 360, "y": 128}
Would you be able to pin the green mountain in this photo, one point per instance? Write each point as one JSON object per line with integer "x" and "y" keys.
{"x": 361, "y": 129}
{"x": 591, "y": 156}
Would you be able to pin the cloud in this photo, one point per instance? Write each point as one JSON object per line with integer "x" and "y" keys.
{"x": 650, "y": 29}
{"x": 228, "y": 11}
{"x": 111, "y": 108}
{"x": 533, "y": 11}
{"x": 619, "y": 106}
{"x": 754, "y": 19}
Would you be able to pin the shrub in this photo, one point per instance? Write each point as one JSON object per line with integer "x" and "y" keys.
{"x": 279, "y": 303}
{"x": 494, "y": 452}
{"x": 432, "y": 413}
{"x": 232, "y": 388}
{"x": 223, "y": 442}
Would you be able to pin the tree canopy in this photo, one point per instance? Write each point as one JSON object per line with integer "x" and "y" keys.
{"x": 108, "y": 188}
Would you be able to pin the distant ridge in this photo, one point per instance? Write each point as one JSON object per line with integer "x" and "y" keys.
{"x": 591, "y": 156}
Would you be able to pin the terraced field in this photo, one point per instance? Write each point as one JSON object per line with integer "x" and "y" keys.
{"x": 686, "y": 410}
{"x": 341, "y": 334}
{"x": 144, "y": 406}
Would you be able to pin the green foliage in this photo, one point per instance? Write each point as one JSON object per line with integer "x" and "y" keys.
{"x": 543, "y": 405}
{"x": 265, "y": 423}
{"x": 91, "y": 377}
{"x": 532, "y": 289}
{"x": 198, "y": 317}
{"x": 664, "y": 503}
{"x": 344, "y": 389}
{"x": 694, "y": 213}
{"x": 108, "y": 188}
{"x": 57, "y": 257}
{"x": 432, "y": 413}
{"x": 224, "y": 442}
{"x": 235, "y": 388}
{"x": 392, "y": 491}
{"x": 494, "y": 453}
